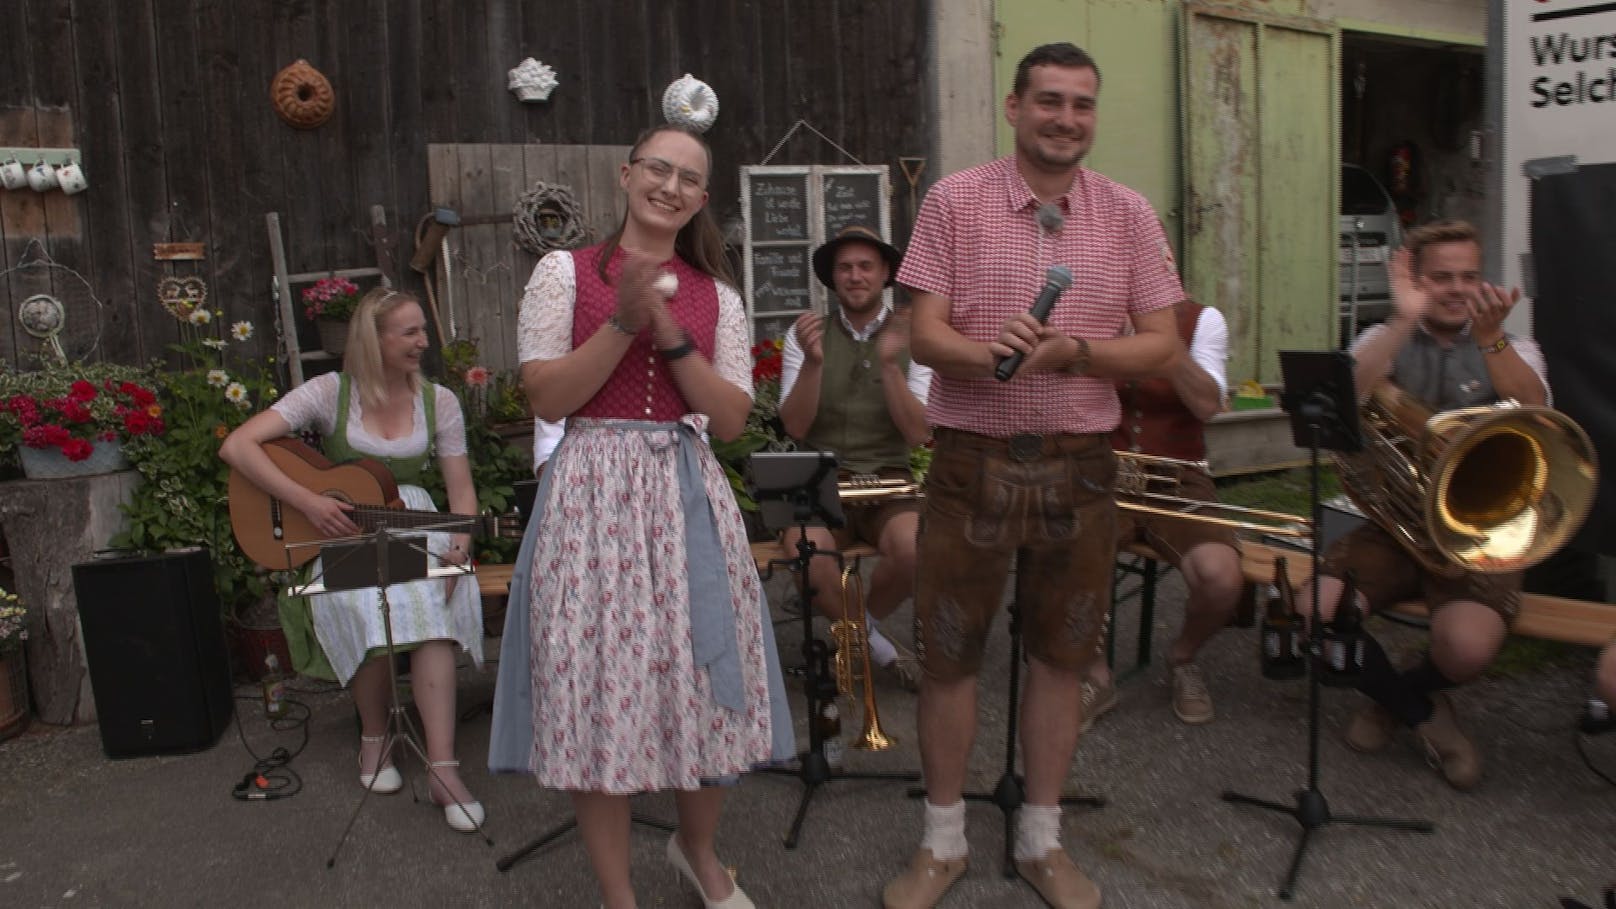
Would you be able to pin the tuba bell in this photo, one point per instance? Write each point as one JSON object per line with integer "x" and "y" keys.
{"x": 1486, "y": 489}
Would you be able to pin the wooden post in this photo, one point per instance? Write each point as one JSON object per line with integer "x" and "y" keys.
{"x": 50, "y": 526}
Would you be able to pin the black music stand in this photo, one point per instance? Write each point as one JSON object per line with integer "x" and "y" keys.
{"x": 1010, "y": 792}
{"x": 380, "y": 559}
{"x": 798, "y": 489}
{"x": 1320, "y": 397}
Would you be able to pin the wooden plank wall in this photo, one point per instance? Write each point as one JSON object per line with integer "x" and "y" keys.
{"x": 168, "y": 99}
{"x": 488, "y": 270}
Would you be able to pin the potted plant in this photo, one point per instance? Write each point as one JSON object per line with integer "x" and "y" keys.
{"x": 763, "y": 432}
{"x": 183, "y": 500}
{"x": 13, "y": 668}
{"x": 329, "y": 303}
{"x": 74, "y": 419}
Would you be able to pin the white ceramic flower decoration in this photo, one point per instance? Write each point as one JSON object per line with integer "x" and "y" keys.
{"x": 688, "y": 101}
{"x": 532, "y": 80}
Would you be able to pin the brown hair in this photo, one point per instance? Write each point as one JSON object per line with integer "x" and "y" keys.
{"x": 1062, "y": 54}
{"x": 699, "y": 242}
{"x": 362, "y": 358}
{"x": 1438, "y": 232}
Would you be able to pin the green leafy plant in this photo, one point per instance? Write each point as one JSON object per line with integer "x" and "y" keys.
{"x": 764, "y": 431}
{"x": 13, "y": 623}
{"x": 496, "y": 465}
{"x": 71, "y": 406}
{"x": 184, "y": 499}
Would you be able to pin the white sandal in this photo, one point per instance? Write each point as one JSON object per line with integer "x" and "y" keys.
{"x": 385, "y": 781}
{"x": 465, "y": 817}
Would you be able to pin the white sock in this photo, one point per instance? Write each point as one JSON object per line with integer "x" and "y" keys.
{"x": 881, "y": 650}
{"x": 945, "y": 831}
{"x": 1037, "y": 831}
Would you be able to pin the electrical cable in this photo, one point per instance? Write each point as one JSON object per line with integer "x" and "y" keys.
{"x": 272, "y": 776}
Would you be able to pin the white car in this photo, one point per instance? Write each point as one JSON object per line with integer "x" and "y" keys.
{"x": 1370, "y": 233}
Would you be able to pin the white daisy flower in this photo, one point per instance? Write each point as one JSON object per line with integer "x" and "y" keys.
{"x": 236, "y": 393}
{"x": 241, "y": 331}
{"x": 200, "y": 316}
{"x": 218, "y": 378}
{"x": 213, "y": 343}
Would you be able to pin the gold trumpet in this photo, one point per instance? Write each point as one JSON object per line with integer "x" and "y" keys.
{"x": 1147, "y": 484}
{"x": 852, "y": 661}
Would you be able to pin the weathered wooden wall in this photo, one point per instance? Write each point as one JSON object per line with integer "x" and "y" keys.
{"x": 168, "y": 99}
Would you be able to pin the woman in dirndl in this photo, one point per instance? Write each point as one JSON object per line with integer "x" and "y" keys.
{"x": 648, "y": 657}
{"x": 379, "y": 407}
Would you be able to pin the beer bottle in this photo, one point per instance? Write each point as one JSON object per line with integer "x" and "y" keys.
{"x": 1281, "y": 644}
{"x": 274, "y": 685}
{"x": 1344, "y": 638}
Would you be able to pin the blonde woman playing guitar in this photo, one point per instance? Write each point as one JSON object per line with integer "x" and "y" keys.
{"x": 379, "y": 407}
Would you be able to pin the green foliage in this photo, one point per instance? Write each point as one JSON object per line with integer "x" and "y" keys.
{"x": 1288, "y": 490}
{"x": 184, "y": 499}
{"x": 486, "y": 400}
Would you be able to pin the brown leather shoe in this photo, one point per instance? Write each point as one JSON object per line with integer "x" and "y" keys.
{"x": 923, "y": 883}
{"x": 1371, "y": 728}
{"x": 1446, "y": 746}
{"x": 1060, "y": 882}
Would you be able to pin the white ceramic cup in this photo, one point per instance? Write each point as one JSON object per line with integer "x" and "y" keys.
{"x": 70, "y": 177}
{"x": 42, "y": 177}
{"x": 13, "y": 175}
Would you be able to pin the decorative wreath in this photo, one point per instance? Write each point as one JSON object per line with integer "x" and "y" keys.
{"x": 302, "y": 95}
{"x": 547, "y": 217}
{"x": 688, "y": 101}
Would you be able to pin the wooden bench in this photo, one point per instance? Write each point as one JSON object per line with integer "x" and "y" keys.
{"x": 1542, "y": 616}
{"x": 494, "y": 580}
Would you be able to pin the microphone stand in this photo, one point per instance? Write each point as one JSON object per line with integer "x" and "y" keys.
{"x": 1312, "y": 810}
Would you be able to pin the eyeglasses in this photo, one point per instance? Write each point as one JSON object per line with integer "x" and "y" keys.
{"x": 661, "y": 170}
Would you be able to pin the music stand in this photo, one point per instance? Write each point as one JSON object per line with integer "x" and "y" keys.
{"x": 379, "y": 559}
{"x": 1323, "y": 405}
{"x": 798, "y": 489}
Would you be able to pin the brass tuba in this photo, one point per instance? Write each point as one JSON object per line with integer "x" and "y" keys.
{"x": 852, "y": 660}
{"x": 1486, "y": 489}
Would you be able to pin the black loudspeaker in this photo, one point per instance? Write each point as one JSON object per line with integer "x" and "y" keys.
{"x": 155, "y": 645}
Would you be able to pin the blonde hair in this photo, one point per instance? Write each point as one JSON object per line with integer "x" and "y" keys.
{"x": 362, "y": 359}
{"x": 1435, "y": 233}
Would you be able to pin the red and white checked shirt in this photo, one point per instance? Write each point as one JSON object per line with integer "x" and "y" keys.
{"x": 977, "y": 244}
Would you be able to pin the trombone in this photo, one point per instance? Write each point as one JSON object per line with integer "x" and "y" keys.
{"x": 1148, "y": 484}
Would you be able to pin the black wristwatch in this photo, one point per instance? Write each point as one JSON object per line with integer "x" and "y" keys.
{"x": 685, "y": 349}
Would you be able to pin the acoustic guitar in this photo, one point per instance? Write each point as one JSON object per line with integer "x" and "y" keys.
{"x": 265, "y": 526}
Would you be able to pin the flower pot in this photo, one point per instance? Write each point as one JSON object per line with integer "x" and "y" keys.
{"x": 333, "y": 335}
{"x": 252, "y": 644}
{"x": 51, "y": 464}
{"x": 13, "y": 694}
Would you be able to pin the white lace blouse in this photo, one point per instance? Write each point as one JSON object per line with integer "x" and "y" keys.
{"x": 314, "y": 404}
{"x": 544, "y": 324}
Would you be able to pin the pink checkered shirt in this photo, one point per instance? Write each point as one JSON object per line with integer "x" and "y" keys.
{"x": 977, "y": 244}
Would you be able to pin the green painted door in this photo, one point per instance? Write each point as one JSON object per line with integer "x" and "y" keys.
{"x": 1261, "y": 174}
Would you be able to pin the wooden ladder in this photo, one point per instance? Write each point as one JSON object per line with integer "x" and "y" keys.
{"x": 283, "y": 282}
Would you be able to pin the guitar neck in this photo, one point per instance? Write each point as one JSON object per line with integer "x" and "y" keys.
{"x": 371, "y": 517}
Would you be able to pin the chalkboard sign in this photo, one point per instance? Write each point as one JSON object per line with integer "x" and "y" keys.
{"x": 781, "y": 277}
{"x": 779, "y": 208}
{"x": 789, "y": 211}
{"x": 852, "y": 199}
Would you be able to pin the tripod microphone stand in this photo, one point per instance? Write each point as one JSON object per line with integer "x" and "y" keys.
{"x": 1323, "y": 414}
{"x": 382, "y": 560}
{"x": 1010, "y": 792}
{"x": 802, "y": 485}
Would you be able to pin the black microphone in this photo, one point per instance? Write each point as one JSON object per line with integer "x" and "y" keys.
{"x": 1056, "y": 280}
